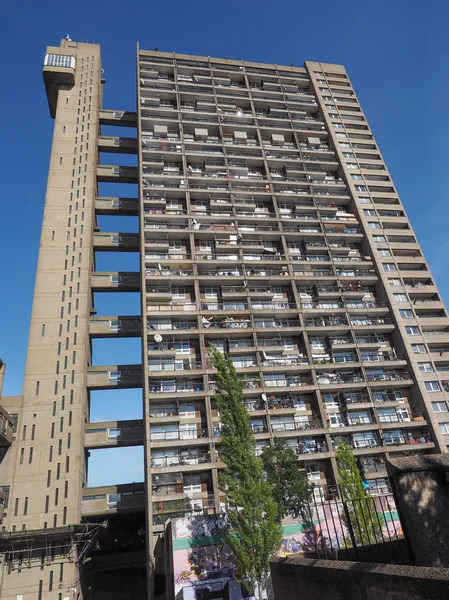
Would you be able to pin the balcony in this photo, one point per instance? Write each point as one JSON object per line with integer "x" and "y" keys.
{"x": 171, "y": 459}
{"x": 188, "y": 387}
{"x": 116, "y": 326}
{"x": 407, "y": 438}
{"x": 124, "y": 498}
{"x": 185, "y": 507}
{"x": 7, "y": 427}
{"x": 388, "y": 376}
{"x": 112, "y": 434}
{"x": 340, "y": 378}
{"x": 174, "y": 432}
{"x": 177, "y": 364}
{"x": 170, "y": 325}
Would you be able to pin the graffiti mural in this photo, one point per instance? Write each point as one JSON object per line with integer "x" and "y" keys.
{"x": 200, "y": 555}
{"x": 192, "y": 527}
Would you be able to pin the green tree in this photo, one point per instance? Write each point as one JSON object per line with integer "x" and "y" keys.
{"x": 361, "y": 514}
{"x": 255, "y": 533}
{"x": 290, "y": 487}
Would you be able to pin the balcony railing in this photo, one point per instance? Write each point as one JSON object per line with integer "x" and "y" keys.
{"x": 178, "y": 386}
{"x": 388, "y": 376}
{"x": 296, "y": 426}
{"x": 182, "y": 459}
{"x": 179, "y": 434}
{"x": 174, "y": 365}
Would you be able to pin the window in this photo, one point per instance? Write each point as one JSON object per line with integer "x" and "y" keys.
{"x": 59, "y": 60}
{"x": 178, "y": 293}
{"x": 182, "y": 347}
{"x": 444, "y": 428}
{"x": 360, "y": 188}
{"x": 211, "y": 293}
{"x": 406, "y": 314}
{"x": 389, "y": 267}
{"x": 394, "y": 282}
{"x": 340, "y": 135}
{"x": 364, "y": 200}
{"x": 373, "y": 225}
{"x": 439, "y": 407}
{"x": 344, "y": 145}
{"x": 348, "y": 155}
{"x": 369, "y": 212}
{"x": 356, "y": 177}
{"x": 412, "y": 331}
{"x": 432, "y": 386}
{"x": 425, "y": 367}
{"x": 419, "y": 349}
{"x": 352, "y": 166}
{"x": 400, "y": 297}
{"x": 384, "y": 252}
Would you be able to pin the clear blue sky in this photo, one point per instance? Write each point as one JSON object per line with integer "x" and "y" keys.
{"x": 396, "y": 53}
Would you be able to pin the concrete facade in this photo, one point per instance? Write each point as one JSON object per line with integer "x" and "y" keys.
{"x": 421, "y": 490}
{"x": 270, "y": 227}
{"x": 307, "y": 579}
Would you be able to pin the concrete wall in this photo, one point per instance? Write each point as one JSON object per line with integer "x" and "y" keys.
{"x": 422, "y": 499}
{"x": 308, "y": 579}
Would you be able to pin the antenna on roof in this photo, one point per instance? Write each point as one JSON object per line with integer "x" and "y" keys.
{"x": 68, "y": 38}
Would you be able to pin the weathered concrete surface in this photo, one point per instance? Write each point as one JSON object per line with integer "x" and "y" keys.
{"x": 310, "y": 579}
{"x": 422, "y": 499}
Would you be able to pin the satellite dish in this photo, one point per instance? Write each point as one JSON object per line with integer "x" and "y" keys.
{"x": 264, "y": 397}
{"x": 157, "y": 338}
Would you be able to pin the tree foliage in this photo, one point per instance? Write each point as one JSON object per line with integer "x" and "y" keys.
{"x": 361, "y": 513}
{"x": 290, "y": 487}
{"x": 255, "y": 533}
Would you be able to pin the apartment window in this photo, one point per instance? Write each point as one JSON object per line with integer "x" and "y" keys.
{"x": 30, "y": 458}
{"x": 439, "y": 407}
{"x": 373, "y": 225}
{"x": 419, "y": 349}
{"x": 444, "y": 428}
{"x": 432, "y": 386}
{"x": 389, "y": 267}
{"x": 178, "y": 293}
{"x": 425, "y": 367}
{"x": 384, "y": 252}
{"x": 25, "y": 505}
{"x": 406, "y": 314}
{"x": 379, "y": 239}
{"x": 182, "y": 347}
{"x": 211, "y": 293}
{"x": 369, "y": 212}
{"x": 400, "y": 297}
{"x": 349, "y": 155}
{"x": 356, "y": 177}
{"x": 394, "y": 282}
{"x": 344, "y": 145}
{"x": 361, "y": 188}
{"x": 340, "y": 135}
{"x": 412, "y": 331}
